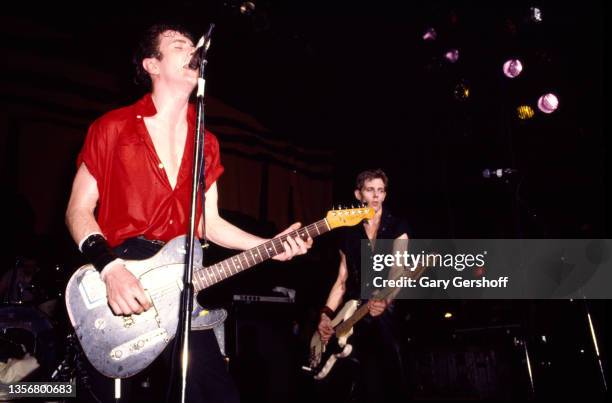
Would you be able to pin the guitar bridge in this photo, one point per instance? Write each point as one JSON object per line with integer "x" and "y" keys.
{"x": 142, "y": 342}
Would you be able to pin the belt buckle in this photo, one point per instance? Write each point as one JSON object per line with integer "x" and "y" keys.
{"x": 158, "y": 242}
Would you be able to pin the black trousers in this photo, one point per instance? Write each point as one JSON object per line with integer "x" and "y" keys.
{"x": 380, "y": 375}
{"x": 207, "y": 380}
{"x": 374, "y": 372}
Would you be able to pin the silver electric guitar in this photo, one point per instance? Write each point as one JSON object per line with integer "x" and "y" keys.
{"x": 120, "y": 346}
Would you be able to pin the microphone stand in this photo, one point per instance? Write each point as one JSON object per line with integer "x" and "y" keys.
{"x": 186, "y": 305}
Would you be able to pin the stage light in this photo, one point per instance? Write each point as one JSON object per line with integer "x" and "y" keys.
{"x": 448, "y": 315}
{"x": 462, "y": 91}
{"x": 548, "y": 103}
{"x": 535, "y": 14}
{"x": 525, "y": 112}
{"x": 430, "y": 35}
{"x": 452, "y": 55}
{"x": 247, "y": 8}
{"x": 512, "y": 68}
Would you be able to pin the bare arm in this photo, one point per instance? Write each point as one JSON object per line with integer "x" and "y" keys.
{"x": 80, "y": 217}
{"x": 228, "y": 235}
{"x": 377, "y": 307}
{"x": 124, "y": 291}
{"x": 222, "y": 232}
{"x": 334, "y": 299}
{"x": 400, "y": 244}
{"x": 337, "y": 291}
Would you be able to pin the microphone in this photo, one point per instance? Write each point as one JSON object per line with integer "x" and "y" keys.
{"x": 487, "y": 173}
{"x": 201, "y": 49}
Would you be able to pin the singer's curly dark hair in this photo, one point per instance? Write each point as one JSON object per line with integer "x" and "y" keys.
{"x": 148, "y": 46}
{"x": 369, "y": 175}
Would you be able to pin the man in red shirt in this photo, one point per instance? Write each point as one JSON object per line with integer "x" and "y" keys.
{"x": 135, "y": 168}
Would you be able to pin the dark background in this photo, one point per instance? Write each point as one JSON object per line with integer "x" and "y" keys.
{"x": 358, "y": 80}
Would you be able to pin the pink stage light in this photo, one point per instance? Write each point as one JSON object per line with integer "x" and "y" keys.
{"x": 430, "y": 35}
{"x": 512, "y": 68}
{"x": 452, "y": 55}
{"x": 548, "y": 103}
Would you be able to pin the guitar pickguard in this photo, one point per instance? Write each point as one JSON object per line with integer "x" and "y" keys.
{"x": 93, "y": 290}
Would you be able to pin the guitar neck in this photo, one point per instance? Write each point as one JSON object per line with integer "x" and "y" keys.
{"x": 360, "y": 313}
{"x": 363, "y": 310}
{"x": 207, "y": 276}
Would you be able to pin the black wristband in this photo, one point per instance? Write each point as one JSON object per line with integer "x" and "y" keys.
{"x": 97, "y": 250}
{"x": 327, "y": 311}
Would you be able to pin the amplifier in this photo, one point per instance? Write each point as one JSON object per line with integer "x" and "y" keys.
{"x": 263, "y": 355}
{"x": 262, "y": 298}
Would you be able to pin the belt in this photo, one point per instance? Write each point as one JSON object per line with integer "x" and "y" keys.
{"x": 153, "y": 241}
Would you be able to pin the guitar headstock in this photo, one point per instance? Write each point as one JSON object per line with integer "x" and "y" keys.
{"x": 348, "y": 216}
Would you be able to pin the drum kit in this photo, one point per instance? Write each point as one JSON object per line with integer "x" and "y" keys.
{"x": 34, "y": 340}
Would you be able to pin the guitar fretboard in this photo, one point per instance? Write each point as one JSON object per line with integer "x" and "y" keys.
{"x": 210, "y": 275}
